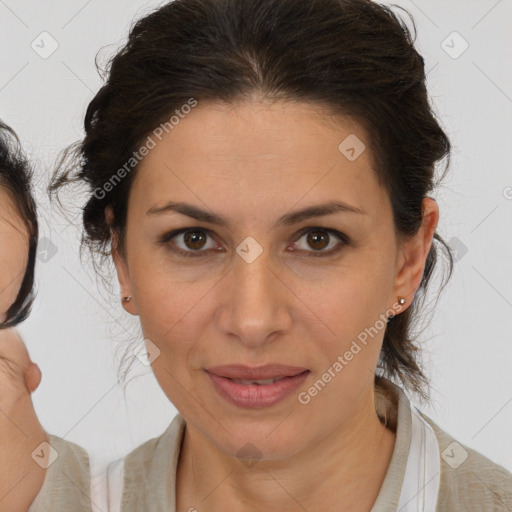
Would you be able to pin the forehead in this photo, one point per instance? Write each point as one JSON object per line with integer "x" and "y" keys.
{"x": 251, "y": 152}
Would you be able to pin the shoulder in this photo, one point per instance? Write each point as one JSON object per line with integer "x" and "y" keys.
{"x": 469, "y": 481}
{"x": 67, "y": 481}
{"x": 70, "y": 452}
{"x": 150, "y": 468}
{"x": 157, "y": 448}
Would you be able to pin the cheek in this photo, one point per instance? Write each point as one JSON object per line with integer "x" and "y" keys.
{"x": 174, "y": 312}
{"x": 352, "y": 295}
{"x": 346, "y": 313}
{"x": 13, "y": 261}
{"x": 350, "y": 326}
{"x": 172, "y": 316}
{"x": 165, "y": 285}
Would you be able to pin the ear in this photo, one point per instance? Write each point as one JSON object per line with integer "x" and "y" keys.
{"x": 121, "y": 265}
{"x": 413, "y": 254}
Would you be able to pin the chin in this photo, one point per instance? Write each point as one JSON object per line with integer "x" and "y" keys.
{"x": 262, "y": 440}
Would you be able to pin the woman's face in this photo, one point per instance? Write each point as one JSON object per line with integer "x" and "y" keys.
{"x": 14, "y": 246}
{"x": 265, "y": 286}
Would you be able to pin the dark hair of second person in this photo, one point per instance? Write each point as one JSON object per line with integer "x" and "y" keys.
{"x": 16, "y": 186}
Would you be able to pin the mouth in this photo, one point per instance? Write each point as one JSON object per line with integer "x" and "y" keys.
{"x": 261, "y": 382}
{"x": 256, "y": 387}
{"x": 256, "y": 373}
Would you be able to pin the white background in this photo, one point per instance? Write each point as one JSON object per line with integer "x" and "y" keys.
{"x": 73, "y": 331}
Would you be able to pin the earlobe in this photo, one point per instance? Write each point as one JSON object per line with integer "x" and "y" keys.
{"x": 120, "y": 265}
{"x": 128, "y": 305}
{"x": 414, "y": 252}
{"x": 124, "y": 283}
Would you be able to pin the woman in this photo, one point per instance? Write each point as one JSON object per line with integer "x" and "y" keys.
{"x": 18, "y": 231}
{"x": 18, "y": 375}
{"x": 20, "y": 431}
{"x": 260, "y": 174}
{"x": 24, "y": 445}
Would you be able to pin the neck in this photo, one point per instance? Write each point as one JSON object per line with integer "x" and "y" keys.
{"x": 342, "y": 471}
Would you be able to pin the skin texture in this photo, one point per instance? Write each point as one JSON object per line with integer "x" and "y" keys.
{"x": 14, "y": 245}
{"x": 252, "y": 162}
{"x": 21, "y": 478}
{"x": 20, "y": 431}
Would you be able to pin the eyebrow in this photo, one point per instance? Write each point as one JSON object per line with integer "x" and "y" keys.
{"x": 286, "y": 220}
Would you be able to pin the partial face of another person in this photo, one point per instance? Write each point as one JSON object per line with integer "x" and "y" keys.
{"x": 14, "y": 246}
{"x": 248, "y": 282}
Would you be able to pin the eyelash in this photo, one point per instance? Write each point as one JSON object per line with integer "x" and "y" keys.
{"x": 344, "y": 240}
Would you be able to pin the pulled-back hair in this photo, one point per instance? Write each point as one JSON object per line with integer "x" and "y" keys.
{"x": 354, "y": 57}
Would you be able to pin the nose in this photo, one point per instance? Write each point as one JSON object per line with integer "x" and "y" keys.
{"x": 255, "y": 302}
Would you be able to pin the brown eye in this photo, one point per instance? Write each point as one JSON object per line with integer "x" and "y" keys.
{"x": 189, "y": 242}
{"x": 318, "y": 239}
{"x": 194, "y": 239}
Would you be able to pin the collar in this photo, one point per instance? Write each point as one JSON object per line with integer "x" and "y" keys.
{"x": 412, "y": 480}
{"x": 411, "y": 483}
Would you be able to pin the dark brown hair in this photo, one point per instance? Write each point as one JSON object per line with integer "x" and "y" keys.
{"x": 354, "y": 57}
{"x": 15, "y": 178}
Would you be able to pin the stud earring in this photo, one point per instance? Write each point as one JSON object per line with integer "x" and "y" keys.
{"x": 127, "y": 299}
{"x": 401, "y": 301}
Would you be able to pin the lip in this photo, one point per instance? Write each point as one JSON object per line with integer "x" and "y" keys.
{"x": 269, "y": 371}
{"x": 256, "y": 396}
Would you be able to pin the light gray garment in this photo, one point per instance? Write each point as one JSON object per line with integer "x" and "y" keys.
{"x": 147, "y": 477}
{"x": 67, "y": 481}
